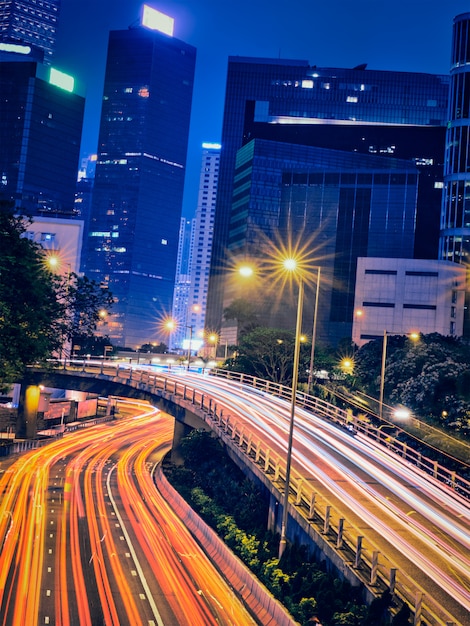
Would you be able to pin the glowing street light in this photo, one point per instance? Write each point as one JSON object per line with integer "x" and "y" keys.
{"x": 414, "y": 336}
{"x": 291, "y": 266}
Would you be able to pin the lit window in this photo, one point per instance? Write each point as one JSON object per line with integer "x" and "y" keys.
{"x": 307, "y": 84}
{"x": 144, "y": 92}
{"x": 351, "y": 99}
{"x": 164, "y": 242}
{"x": 438, "y": 185}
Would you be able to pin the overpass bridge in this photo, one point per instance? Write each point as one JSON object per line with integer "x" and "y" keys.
{"x": 312, "y": 518}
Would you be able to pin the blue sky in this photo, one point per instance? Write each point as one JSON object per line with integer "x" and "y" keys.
{"x": 402, "y": 35}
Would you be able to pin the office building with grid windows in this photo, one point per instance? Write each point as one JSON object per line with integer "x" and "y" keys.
{"x": 30, "y": 22}
{"x": 341, "y": 205}
{"x": 455, "y": 217}
{"x": 137, "y": 198}
{"x": 389, "y": 115}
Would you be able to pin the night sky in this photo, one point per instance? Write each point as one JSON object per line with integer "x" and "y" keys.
{"x": 401, "y": 35}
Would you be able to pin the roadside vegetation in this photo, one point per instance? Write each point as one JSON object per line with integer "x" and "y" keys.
{"x": 41, "y": 310}
{"x": 238, "y": 511}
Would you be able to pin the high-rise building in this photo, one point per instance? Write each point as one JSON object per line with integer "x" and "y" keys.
{"x": 194, "y": 257}
{"x": 387, "y": 114}
{"x": 138, "y": 190}
{"x": 337, "y": 205}
{"x": 455, "y": 217}
{"x": 179, "y": 316}
{"x": 32, "y": 22}
{"x": 202, "y": 239}
{"x": 40, "y": 130}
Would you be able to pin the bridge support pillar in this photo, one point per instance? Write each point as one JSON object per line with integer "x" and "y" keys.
{"x": 180, "y": 431}
{"x": 26, "y": 425}
{"x": 273, "y": 513}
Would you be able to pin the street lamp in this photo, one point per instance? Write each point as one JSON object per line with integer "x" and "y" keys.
{"x": 414, "y": 336}
{"x": 189, "y": 346}
{"x": 314, "y": 334}
{"x": 291, "y": 266}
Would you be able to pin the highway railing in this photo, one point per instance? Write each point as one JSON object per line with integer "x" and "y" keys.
{"x": 376, "y": 570}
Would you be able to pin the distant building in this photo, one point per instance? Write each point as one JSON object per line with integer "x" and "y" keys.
{"x": 202, "y": 239}
{"x": 382, "y": 113}
{"x": 194, "y": 257}
{"x": 179, "y": 314}
{"x": 401, "y": 296}
{"x": 455, "y": 217}
{"x": 137, "y": 199}
{"x": 40, "y": 131}
{"x": 32, "y": 22}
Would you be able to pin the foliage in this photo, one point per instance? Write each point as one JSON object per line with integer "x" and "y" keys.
{"x": 244, "y": 312}
{"x": 31, "y": 316}
{"x": 39, "y": 310}
{"x": 220, "y": 493}
{"x": 268, "y": 353}
{"x": 85, "y": 301}
{"x": 159, "y": 348}
{"x": 430, "y": 377}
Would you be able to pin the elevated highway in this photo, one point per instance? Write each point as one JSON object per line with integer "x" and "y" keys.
{"x": 383, "y": 515}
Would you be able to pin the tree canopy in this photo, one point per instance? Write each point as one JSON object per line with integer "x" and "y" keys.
{"x": 430, "y": 376}
{"x": 39, "y": 310}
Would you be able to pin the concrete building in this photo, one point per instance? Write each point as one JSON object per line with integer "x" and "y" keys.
{"x": 401, "y": 296}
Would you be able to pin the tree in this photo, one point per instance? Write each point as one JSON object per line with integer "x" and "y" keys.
{"x": 85, "y": 302}
{"x": 31, "y": 315}
{"x": 268, "y": 353}
{"x": 244, "y": 313}
{"x": 430, "y": 376}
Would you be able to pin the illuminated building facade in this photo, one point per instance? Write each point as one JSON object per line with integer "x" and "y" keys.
{"x": 137, "y": 198}
{"x": 40, "y": 131}
{"x": 343, "y": 205}
{"x": 179, "y": 314}
{"x": 203, "y": 237}
{"x": 378, "y": 113}
{"x": 403, "y": 296}
{"x": 455, "y": 217}
{"x": 32, "y": 22}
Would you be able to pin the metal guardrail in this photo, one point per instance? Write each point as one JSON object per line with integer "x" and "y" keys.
{"x": 374, "y": 569}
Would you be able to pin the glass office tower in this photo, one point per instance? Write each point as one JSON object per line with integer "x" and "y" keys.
{"x": 455, "y": 218}
{"x": 356, "y": 110}
{"x": 40, "y": 131}
{"x": 32, "y": 22}
{"x": 338, "y": 205}
{"x": 137, "y": 199}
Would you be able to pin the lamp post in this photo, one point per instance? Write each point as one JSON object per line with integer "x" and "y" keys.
{"x": 382, "y": 374}
{"x": 189, "y": 346}
{"x": 295, "y": 376}
{"x": 289, "y": 265}
{"x": 414, "y": 336}
{"x": 314, "y": 334}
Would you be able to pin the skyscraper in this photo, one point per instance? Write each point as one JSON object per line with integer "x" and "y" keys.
{"x": 389, "y": 114}
{"x": 203, "y": 236}
{"x": 137, "y": 199}
{"x": 32, "y": 22}
{"x": 341, "y": 204}
{"x": 455, "y": 217}
{"x": 40, "y": 131}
